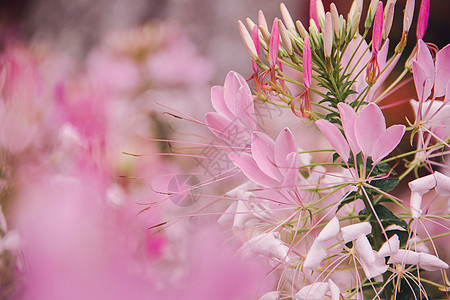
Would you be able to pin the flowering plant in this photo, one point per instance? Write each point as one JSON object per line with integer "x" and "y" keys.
{"x": 336, "y": 221}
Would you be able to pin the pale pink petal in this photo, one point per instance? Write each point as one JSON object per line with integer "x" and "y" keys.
{"x": 369, "y": 125}
{"x": 387, "y": 142}
{"x": 431, "y": 263}
{"x": 403, "y": 256}
{"x": 331, "y": 230}
{"x": 423, "y": 184}
{"x": 335, "y": 291}
{"x": 284, "y": 145}
{"x": 422, "y": 21}
{"x": 274, "y": 44}
{"x": 328, "y": 35}
{"x": 390, "y": 247}
{"x": 245, "y": 110}
{"x": 233, "y": 82}
{"x": 291, "y": 174}
{"x": 442, "y": 71}
{"x": 422, "y": 81}
{"x": 218, "y": 125}
{"x": 249, "y": 167}
{"x": 348, "y": 117}
{"x": 335, "y": 137}
{"x": 263, "y": 148}
{"x": 268, "y": 244}
{"x": 443, "y": 184}
{"x": 313, "y": 291}
{"x": 315, "y": 256}
{"x": 352, "y": 232}
{"x": 409, "y": 14}
{"x": 218, "y": 102}
{"x": 375, "y": 268}
{"x": 364, "y": 248}
{"x": 415, "y": 203}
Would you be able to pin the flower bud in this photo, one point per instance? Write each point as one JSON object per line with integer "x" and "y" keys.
{"x": 274, "y": 44}
{"x": 301, "y": 29}
{"x": 246, "y": 38}
{"x": 408, "y": 15}
{"x": 320, "y": 13}
{"x": 335, "y": 20}
{"x": 285, "y": 39}
{"x": 262, "y": 21}
{"x": 388, "y": 18}
{"x": 287, "y": 17}
{"x": 314, "y": 33}
{"x": 423, "y": 19}
{"x": 353, "y": 18}
{"x": 371, "y": 13}
{"x": 328, "y": 35}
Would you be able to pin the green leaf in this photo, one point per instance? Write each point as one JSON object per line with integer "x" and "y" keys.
{"x": 386, "y": 216}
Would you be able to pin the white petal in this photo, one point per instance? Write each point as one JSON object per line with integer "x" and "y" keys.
{"x": 352, "y": 232}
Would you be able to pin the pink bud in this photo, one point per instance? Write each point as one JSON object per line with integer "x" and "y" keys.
{"x": 377, "y": 29}
{"x": 255, "y": 38}
{"x": 409, "y": 14}
{"x": 274, "y": 44}
{"x": 313, "y": 11}
{"x": 328, "y": 35}
{"x": 422, "y": 22}
{"x": 307, "y": 63}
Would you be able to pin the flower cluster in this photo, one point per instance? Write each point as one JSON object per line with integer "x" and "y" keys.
{"x": 337, "y": 222}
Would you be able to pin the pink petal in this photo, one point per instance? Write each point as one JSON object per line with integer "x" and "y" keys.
{"x": 291, "y": 173}
{"x": 274, "y": 44}
{"x": 422, "y": 81}
{"x": 408, "y": 15}
{"x": 335, "y": 137}
{"x": 263, "y": 148}
{"x": 315, "y": 256}
{"x": 387, "y": 142}
{"x": 443, "y": 184}
{"x": 218, "y": 102}
{"x": 245, "y": 109}
{"x": 390, "y": 247}
{"x": 313, "y": 291}
{"x": 284, "y": 145}
{"x": 431, "y": 263}
{"x": 403, "y": 256}
{"x": 442, "y": 71}
{"x": 218, "y": 125}
{"x": 423, "y": 184}
{"x": 335, "y": 291}
{"x": 307, "y": 63}
{"x": 233, "y": 82}
{"x": 331, "y": 230}
{"x": 422, "y": 21}
{"x": 348, "y": 117}
{"x": 352, "y": 232}
{"x": 369, "y": 126}
{"x": 249, "y": 167}
{"x": 377, "y": 29}
{"x": 313, "y": 12}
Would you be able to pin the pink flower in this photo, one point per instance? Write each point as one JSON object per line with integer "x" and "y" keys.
{"x": 234, "y": 109}
{"x": 270, "y": 163}
{"x": 365, "y": 132}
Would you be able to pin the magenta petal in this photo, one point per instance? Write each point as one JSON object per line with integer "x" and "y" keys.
{"x": 249, "y": 167}
{"x": 377, "y": 29}
{"x": 348, "y": 117}
{"x": 335, "y": 137}
{"x": 218, "y": 102}
{"x": 307, "y": 63}
{"x": 442, "y": 71}
{"x": 245, "y": 110}
{"x": 274, "y": 44}
{"x": 387, "y": 142}
{"x": 291, "y": 173}
{"x": 369, "y": 126}
{"x": 284, "y": 145}
{"x": 263, "y": 148}
{"x": 255, "y": 38}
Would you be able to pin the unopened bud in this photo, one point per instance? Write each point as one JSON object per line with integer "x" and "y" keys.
{"x": 388, "y": 18}
{"x": 328, "y": 35}
{"x": 301, "y": 29}
{"x": 250, "y": 24}
{"x": 335, "y": 20}
{"x": 320, "y": 13}
{"x": 285, "y": 39}
{"x": 314, "y": 34}
{"x": 408, "y": 15}
{"x": 371, "y": 13}
{"x": 246, "y": 38}
{"x": 262, "y": 21}
{"x": 354, "y": 17}
{"x": 423, "y": 19}
{"x": 287, "y": 17}
{"x": 265, "y": 33}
